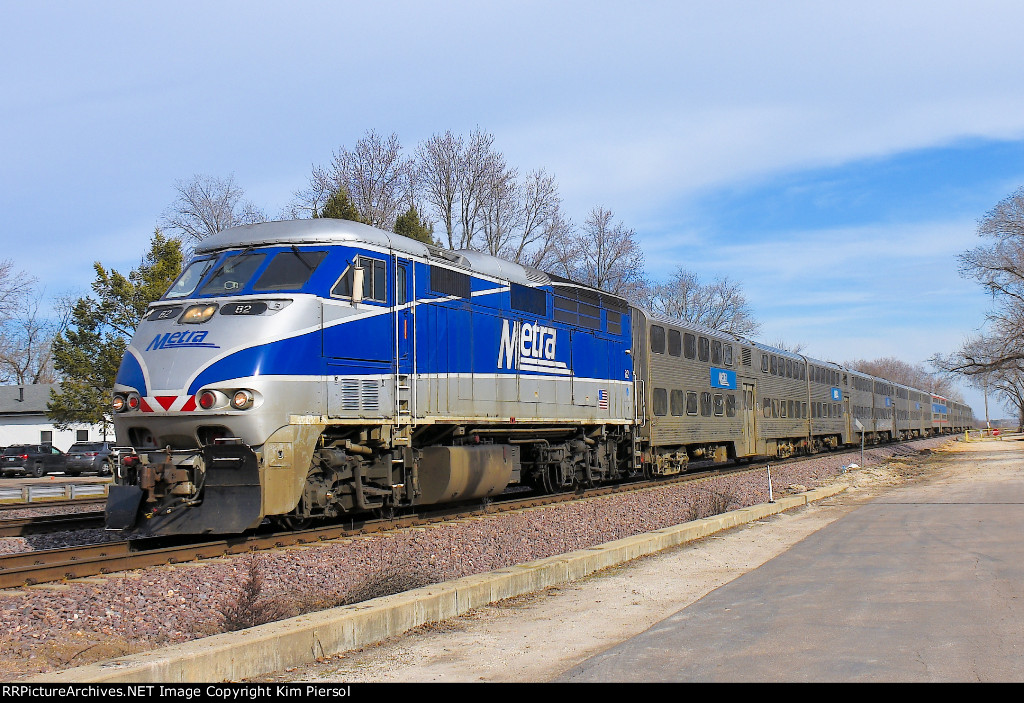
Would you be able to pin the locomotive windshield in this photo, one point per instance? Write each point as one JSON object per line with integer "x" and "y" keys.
{"x": 289, "y": 270}
{"x": 189, "y": 279}
{"x": 232, "y": 275}
{"x": 285, "y": 270}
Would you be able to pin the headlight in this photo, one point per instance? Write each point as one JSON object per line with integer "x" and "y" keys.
{"x": 197, "y": 314}
{"x": 134, "y": 401}
{"x": 242, "y": 400}
{"x": 118, "y": 404}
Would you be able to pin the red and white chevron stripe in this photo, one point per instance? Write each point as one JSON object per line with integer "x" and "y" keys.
{"x": 168, "y": 404}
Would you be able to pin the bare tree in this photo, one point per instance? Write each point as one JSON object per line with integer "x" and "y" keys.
{"x": 782, "y": 344}
{"x": 907, "y": 374}
{"x": 26, "y": 340}
{"x": 603, "y": 254}
{"x": 438, "y": 163}
{"x": 482, "y": 202}
{"x": 500, "y": 209}
{"x": 478, "y": 171}
{"x": 14, "y": 286}
{"x": 373, "y": 174}
{"x": 1008, "y": 384}
{"x": 25, "y": 334}
{"x": 554, "y": 249}
{"x": 206, "y": 205}
{"x": 539, "y": 216}
{"x": 998, "y": 265}
{"x": 719, "y": 305}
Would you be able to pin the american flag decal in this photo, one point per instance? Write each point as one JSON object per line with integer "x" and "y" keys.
{"x": 602, "y": 399}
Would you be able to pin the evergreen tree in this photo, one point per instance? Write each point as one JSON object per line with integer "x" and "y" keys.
{"x": 340, "y": 207}
{"x": 87, "y": 354}
{"x": 411, "y": 225}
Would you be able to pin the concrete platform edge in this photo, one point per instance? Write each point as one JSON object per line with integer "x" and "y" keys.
{"x": 237, "y": 655}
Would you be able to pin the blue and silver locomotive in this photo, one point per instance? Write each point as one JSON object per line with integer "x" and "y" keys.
{"x": 315, "y": 368}
{"x": 319, "y": 368}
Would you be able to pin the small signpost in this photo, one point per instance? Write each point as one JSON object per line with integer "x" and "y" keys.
{"x": 861, "y": 428}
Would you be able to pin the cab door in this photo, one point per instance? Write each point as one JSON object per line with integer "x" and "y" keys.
{"x": 405, "y": 316}
{"x": 405, "y": 338}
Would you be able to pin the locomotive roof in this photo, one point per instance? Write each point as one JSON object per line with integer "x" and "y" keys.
{"x": 312, "y": 231}
{"x": 331, "y": 231}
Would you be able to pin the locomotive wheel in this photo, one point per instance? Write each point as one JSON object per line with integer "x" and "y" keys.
{"x": 292, "y": 522}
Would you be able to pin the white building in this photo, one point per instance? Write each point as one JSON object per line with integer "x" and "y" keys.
{"x": 23, "y": 420}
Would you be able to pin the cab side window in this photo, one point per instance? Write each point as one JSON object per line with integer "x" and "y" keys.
{"x": 375, "y": 280}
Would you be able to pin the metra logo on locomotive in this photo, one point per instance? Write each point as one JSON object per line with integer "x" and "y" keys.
{"x": 529, "y": 347}
{"x": 175, "y": 340}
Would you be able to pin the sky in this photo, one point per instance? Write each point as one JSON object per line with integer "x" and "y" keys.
{"x": 832, "y": 158}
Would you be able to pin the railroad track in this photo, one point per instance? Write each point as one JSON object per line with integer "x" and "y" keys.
{"x": 47, "y": 566}
{"x": 51, "y": 565}
{"x": 36, "y": 524}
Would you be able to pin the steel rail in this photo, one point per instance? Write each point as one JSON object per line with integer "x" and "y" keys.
{"x": 43, "y": 566}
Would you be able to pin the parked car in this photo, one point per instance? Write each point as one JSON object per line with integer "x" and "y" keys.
{"x": 91, "y": 456}
{"x": 34, "y": 459}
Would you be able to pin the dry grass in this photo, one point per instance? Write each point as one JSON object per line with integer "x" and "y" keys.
{"x": 76, "y": 649}
{"x": 709, "y": 503}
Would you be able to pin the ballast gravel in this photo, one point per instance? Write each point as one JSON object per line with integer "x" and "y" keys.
{"x": 51, "y": 627}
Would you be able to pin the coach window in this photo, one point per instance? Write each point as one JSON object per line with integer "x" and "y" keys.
{"x": 730, "y": 405}
{"x": 660, "y": 401}
{"x": 676, "y": 402}
{"x": 675, "y": 344}
{"x": 705, "y": 404}
{"x": 727, "y": 354}
{"x": 716, "y": 352}
{"x": 719, "y": 404}
{"x": 690, "y": 346}
{"x": 691, "y": 403}
{"x": 703, "y": 348}
{"x": 657, "y": 339}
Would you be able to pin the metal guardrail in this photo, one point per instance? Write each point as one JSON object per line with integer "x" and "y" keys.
{"x": 67, "y": 491}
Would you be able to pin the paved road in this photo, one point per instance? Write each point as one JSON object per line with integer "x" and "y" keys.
{"x": 925, "y": 584}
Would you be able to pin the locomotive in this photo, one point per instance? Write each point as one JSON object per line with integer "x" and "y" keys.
{"x": 319, "y": 368}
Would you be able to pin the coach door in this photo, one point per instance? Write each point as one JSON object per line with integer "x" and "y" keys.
{"x": 749, "y": 421}
{"x": 848, "y": 418}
